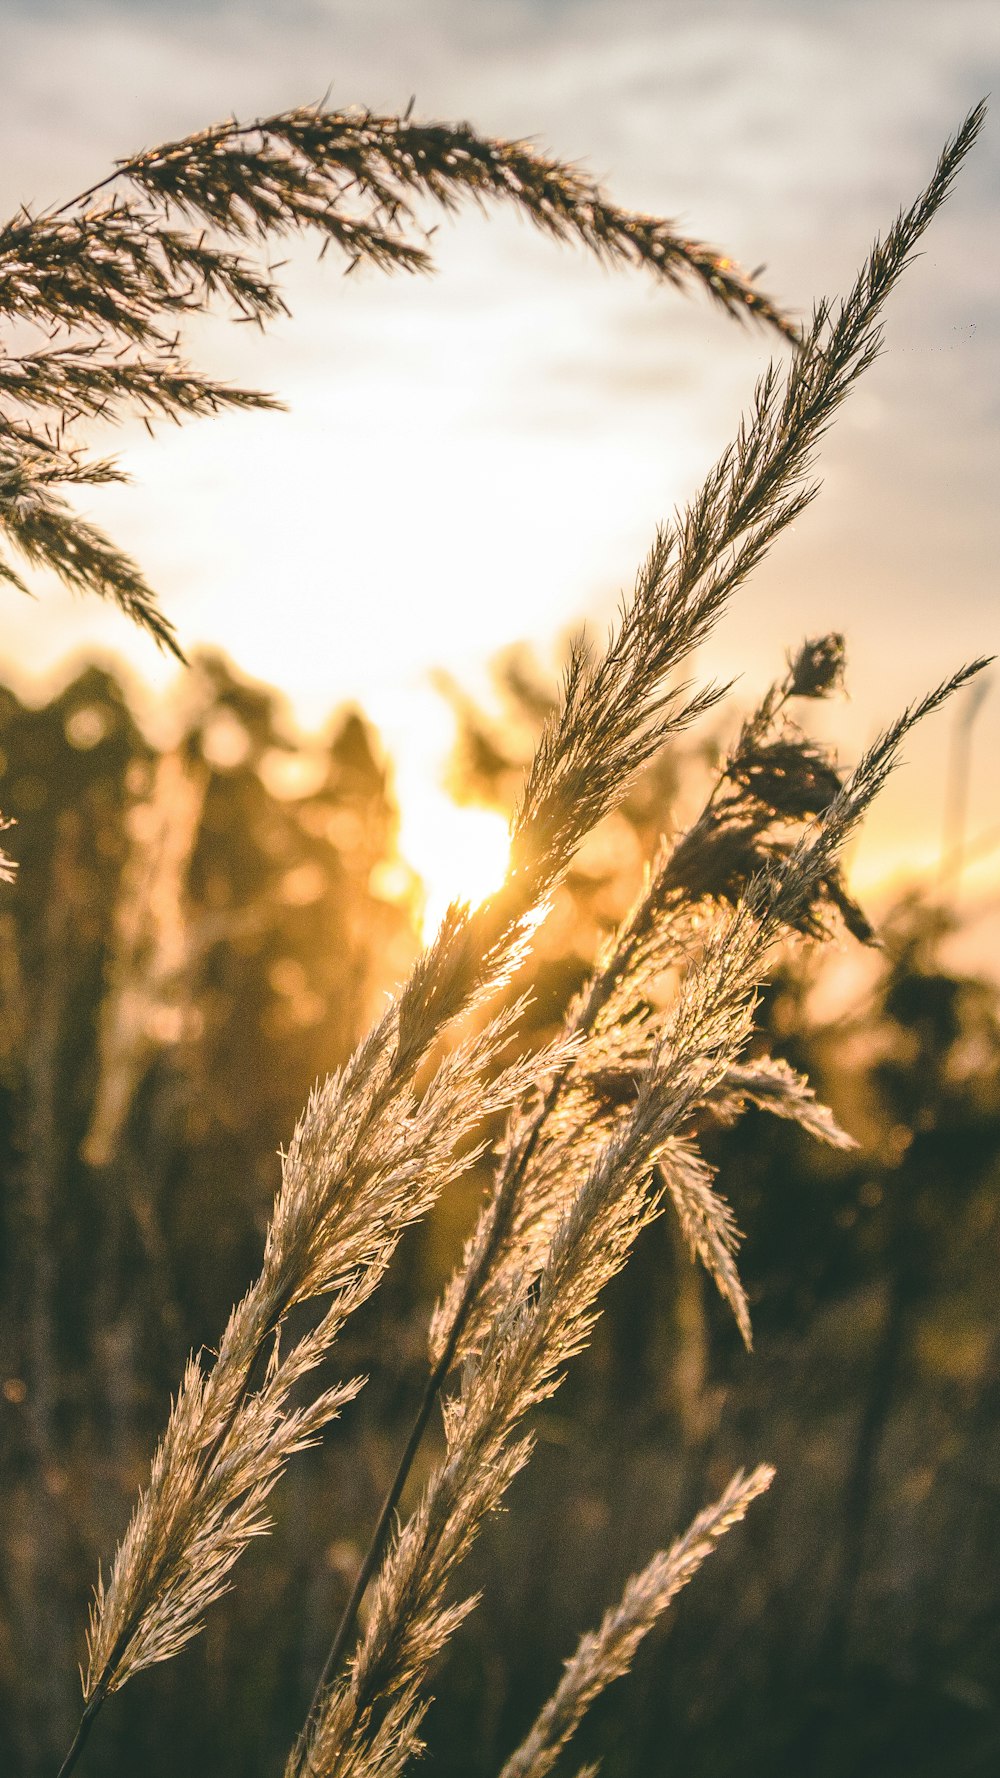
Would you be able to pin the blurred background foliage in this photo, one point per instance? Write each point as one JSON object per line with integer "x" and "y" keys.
{"x": 197, "y": 931}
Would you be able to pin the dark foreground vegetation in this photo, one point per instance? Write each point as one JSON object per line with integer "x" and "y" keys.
{"x": 194, "y": 938}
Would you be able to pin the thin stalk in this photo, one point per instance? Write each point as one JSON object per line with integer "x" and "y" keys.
{"x": 84, "y": 1727}
{"x": 93, "y": 1706}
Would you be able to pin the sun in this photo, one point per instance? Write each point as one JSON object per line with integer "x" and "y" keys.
{"x": 459, "y": 852}
{"x": 456, "y": 851}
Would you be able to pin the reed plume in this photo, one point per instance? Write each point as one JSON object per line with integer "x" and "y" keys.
{"x": 606, "y": 1654}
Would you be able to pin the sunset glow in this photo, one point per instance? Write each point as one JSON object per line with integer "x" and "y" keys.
{"x": 539, "y": 417}
{"x": 459, "y": 853}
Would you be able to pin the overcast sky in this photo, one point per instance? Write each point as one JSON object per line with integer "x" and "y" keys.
{"x": 484, "y": 456}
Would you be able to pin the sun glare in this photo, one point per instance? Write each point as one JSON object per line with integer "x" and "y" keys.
{"x": 458, "y": 852}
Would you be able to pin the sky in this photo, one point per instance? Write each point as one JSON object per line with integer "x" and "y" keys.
{"x": 483, "y": 456}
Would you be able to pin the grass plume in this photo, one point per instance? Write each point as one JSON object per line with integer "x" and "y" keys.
{"x": 606, "y": 1654}
{"x": 113, "y": 274}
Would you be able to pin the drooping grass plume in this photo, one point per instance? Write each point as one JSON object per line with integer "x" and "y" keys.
{"x": 606, "y": 1654}
{"x": 83, "y": 380}
{"x": 769, "y": 1083}
{"x": 293, "y": 171}
{"x": 120, "y": 273}
{"x": 49, "y": 534}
